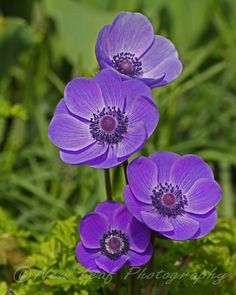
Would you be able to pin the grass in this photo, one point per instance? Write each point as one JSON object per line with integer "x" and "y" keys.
{"x": 43, "y": 44}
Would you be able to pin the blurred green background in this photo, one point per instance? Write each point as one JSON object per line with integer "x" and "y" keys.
{"x": 43, "y": 45}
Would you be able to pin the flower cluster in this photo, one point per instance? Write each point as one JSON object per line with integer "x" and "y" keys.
{"x": 102, "y": 121}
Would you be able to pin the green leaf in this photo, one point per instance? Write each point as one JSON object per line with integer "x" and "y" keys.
{"x": 15, "y": 37}
{"x": 77, "y": 27}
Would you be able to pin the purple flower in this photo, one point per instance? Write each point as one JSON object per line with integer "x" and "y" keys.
{"x": 130, "y": 47}
{"x": 111, "y": 237}
{"x": 173, "y": 195}
{"x": 101, "y": 122}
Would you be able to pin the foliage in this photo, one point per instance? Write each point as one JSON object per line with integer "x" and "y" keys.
{"x": 206, "y": 265}
{"x": 43, "y": 44}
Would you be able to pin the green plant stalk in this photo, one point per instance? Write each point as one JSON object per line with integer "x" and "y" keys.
{"x": 132, "y": 281}
{"x": 117, "y": 284}
{"x": 149, "y": 285}
{"x": 108, "y": 184}
{"x": 109, "y": 198}
{"x": 132, "y": 285}
{"x": 125, "y": 164}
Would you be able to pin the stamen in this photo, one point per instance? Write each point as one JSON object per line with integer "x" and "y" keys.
{"x": 127, "y": 64}
{"x": 168, "y": 200}
{"x": 109, "y": 125}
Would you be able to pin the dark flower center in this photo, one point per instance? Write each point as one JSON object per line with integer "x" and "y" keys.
{"x": 114, "y": 244}
{"x": 168, "y": 200}
{"x": 109, "y": 125}
{"x": 127, "y": 64}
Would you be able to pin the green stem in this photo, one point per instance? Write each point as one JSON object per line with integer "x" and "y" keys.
{"x": 117, "y": 284}
{"x": 132, "y": 279}
{"x": 149, "y": 285}
{"x": 108, "y": 184}
{"x": 132, "y": 285}
{"x": 109, "y": 198}
{"x": 125, "y": 165}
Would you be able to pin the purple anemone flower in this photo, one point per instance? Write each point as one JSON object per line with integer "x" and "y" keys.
{"x": 111, "y": 237}
{"x": 102, "y": 121}
{"x": 130, "y": 47}
{"x": 173, "y": 195}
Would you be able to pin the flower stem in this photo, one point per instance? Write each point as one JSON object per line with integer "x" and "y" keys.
{"x": 117, "y": 284}
{"x": 149, "y": 285}
{"x": 125, "y": 165}
{"x": 132, "y": 285}
{"x": 109, "y": 198}
{"x": 132, "y": 280}
{"x": 108, "y": 184}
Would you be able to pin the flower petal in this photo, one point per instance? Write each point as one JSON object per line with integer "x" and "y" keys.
{"x": 138, "y": 259}
{"x": 142, "y": 109}
{"x": 110, "y": 266}
{"x": 156, "y": 221}
{"x": 108, "y": 208}
{"x": 110, "y": 84}
{"x": 61, "y": 108}
{"x": 189, "y": 169}
{"x": 153, "y": 82}
{"x": 135, "y": 206}
{"x": 122, "y": 218}
{"x": 161, "y": 60}
{"x": 164, "y": 162}
{"x": 206, "y": 221}
{"x": 102, "y": 53}
{"x": 92, "y": 228}
{"x": 92, "y": 152}
{"x": 110, "y": 160}
{"x": 160, "y": 50}
{"x": 204, "y": 195}
{"x": 139, "y": 235}
{"x": 130, "y": 32}
{"x": 142, "y": 175}
{"x": 132, "y": 141}
{"x": 184, "y": 228}
{"x": 86, "y": 257}
{"x": 134, "y": 88}
{"x": 164, "y": 73}
{"x": 69, "y": 133}
{"x": 83, "y": 97}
